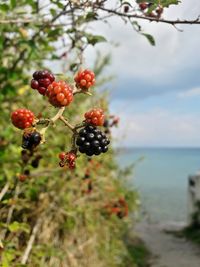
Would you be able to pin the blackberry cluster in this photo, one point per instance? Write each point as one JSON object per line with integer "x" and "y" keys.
{"x": 41, "y": 80}
{"x": 92, "y": 141}
{"x": 31, "y": 140}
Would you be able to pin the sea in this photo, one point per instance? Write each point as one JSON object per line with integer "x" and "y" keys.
{"x": 160, "y": 175}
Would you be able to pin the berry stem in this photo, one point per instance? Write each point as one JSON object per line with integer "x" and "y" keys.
{"x": 74, "y": 141}
{"x": 42, "y": 122}
{"x": 77, "y": 91}
{"x": 58, "y": 115}
{"x": 31, "y": 242}
{"x": 72, "y": 128}
{"x": 49, "y": 122}
{"x": 81, "y": 125}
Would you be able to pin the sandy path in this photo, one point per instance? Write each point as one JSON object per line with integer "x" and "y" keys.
{"x": 168, "y": 251}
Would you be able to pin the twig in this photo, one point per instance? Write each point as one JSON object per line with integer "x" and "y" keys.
{"x": 11, "y": 210}
{"x": 49, "y": 121}
{"x": 4, "y": 190}
{"x": 16, "y": 21}
{"x": 72, "y": 128}
{"x": 151, "y": 19}
{"x": 31, "y": 242}
{"x": 86, "y": 243}
{"x": 58, "y": 115}
{"x": 77, "y": 91}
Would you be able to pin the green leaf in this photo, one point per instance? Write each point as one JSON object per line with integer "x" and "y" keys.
{"x": 150, "y": 38}
{"x": 58, "y": 3}
{"x": 4, "y": 7}
{"x": 167, "y": 3}
{"x": 16, "y": 226}
{"x": 7, "y": 257}
{"x": 53, "y": 11}
{"x": 94, "y": 39}
{"x": 164, "y": 3}
{"x": 91, "y": 16}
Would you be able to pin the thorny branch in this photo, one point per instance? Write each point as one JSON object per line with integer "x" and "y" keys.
{"x": 148, "y": 18}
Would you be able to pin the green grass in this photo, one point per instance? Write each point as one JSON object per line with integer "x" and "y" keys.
{"x": 138, "y": 252}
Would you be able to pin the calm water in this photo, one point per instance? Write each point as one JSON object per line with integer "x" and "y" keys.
{"x": 161, "y": 179}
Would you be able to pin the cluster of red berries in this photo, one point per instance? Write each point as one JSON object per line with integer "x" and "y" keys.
{"x": 143, "y": 5}
{"x": 68, "y": 158}
{"x": 95, "y": 117}
{"x": 119, "y": 208}
{"x": 60, "y": 94}
{"x": 154, "y": 14}
{"x": 85, "y": 79}
{"x": 41, "y": 80}
{"x": 22, "y": 118}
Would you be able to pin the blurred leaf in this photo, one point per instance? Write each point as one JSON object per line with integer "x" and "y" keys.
{"x": 16, "y": 226}
{"x": 164, "y": 3}
{"x": 13, "y": 3}
{"x": 4, "y": 7}
{"x": 94, "y": 39}
{"x": 150, "y": 38}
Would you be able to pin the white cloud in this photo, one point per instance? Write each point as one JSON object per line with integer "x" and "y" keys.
{"x": 158, "y": 127}
{"x": 190, "y": 93}
{"x": 136, "y": 58}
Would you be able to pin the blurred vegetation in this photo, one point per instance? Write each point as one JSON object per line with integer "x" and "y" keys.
{"x": 138, "y": 253}
{"x": 51, "y": 219}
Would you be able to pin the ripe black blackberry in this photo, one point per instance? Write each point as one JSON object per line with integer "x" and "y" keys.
{"x": 31, "y": 140}
{"x": 92, "y": 141}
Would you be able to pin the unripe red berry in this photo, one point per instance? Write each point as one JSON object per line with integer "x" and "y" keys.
{"x": 60, "y": 94}
{"x": 85, "y": 79}
{"x": 68, "y": 159}
{"x": 159, "y": 10}
{"x": 71, "y": 156}
{"x": 95, "y": 117}
{"x": 22, "y": 118}
{"x": 143, "y": 6}
{"x": 62, "y": 155}
{"x": 72, "y": 165}
{"x": 34, "y": 84}
{"x": 22, "y": 177}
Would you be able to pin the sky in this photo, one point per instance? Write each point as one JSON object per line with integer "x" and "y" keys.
{"x": 156, "y": 90}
